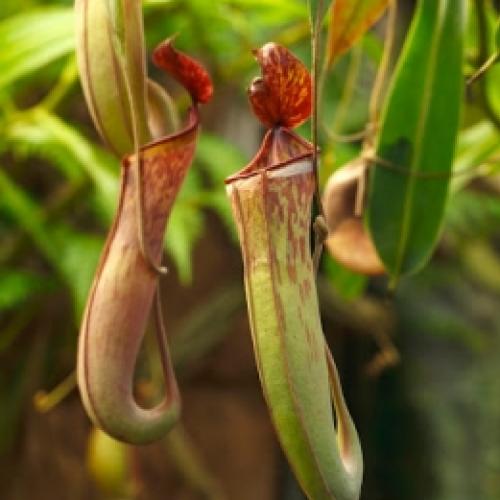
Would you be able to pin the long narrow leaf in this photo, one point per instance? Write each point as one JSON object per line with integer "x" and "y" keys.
{"x": 73, "y": 255}
{"x": 417, "y": 139}
{"x": 30, "y": 41}
{"x": 44, "y": 135}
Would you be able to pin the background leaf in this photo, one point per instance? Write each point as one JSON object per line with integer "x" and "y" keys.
{"x": 418, "y": 134}
{"x": 317, "y": 10}
{"x": 16, "y": 286}
{"x": 42, "y": 134}
{"x": 491, "y": 46}
{"x": 350, "y": 19}
{"x": 497, "y": 35}
{"x": 30, "y": 41}
{"x": 73, "y": 255}
{"x": 185, "y": 226}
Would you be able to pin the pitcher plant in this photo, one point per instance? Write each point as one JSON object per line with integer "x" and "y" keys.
{"x": 125, "y": 289}
{"x": 271, "y": 202}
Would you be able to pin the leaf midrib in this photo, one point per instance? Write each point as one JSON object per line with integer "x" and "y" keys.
{"x": 416, "y": 159}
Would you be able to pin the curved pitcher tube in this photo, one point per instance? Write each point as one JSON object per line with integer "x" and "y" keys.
{"x": 271, "y": 202}
{"x": 122, "y": 295}
{"x": 125, "y": 288}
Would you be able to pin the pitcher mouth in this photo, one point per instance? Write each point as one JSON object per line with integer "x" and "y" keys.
{"x": 190, "y": 126}
{"x": 279, "y": 149}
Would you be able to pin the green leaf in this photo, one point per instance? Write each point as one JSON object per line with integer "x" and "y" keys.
{"x": 73, "y": 255}
{"x": 17, "y": 286}
{"x": 497, "y": 35}
{"x": 44, "y": 135}
{"x": 98, "y": 165}
{"x": 26, "y": 213}
{"x": 31, "y": 40}
{"x": 472, "y": 216}
{"x": 492, "y": 75}
{"x": 27, "y": 138}
{"x": 78, "y": 256}
{"x": 220, "y": 159}
{"x": 417, "y": 137}
{"x": 476, "y": 145}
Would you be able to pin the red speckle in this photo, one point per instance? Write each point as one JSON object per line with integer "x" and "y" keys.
{"x": 307, "y": 287}
{"x": 186, "y": 70}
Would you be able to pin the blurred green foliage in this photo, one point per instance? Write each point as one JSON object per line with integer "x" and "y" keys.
{"x": 58, "y": 184}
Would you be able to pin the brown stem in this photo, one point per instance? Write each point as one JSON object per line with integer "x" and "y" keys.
{"x": 46, "y": 401}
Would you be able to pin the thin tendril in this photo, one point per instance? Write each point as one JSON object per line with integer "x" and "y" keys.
{"x": 171, "y": 387}
{"x": 359, "y": 201}
{"x": 374, "y": 106}
{"x": 389, "y": 165}
{"x": 319, "y": 224}
{"x": 368, "y": 133}
{"x": 493, "y": 59}
{"x": 381, "y": 77}
{"x": 345, "y": 138}
{"x": 46, "y": 401}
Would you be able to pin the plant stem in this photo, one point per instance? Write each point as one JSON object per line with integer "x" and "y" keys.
{"x": 320, "y": 227}
{"x": 46, "y": 401}
{"x": 493, "y": 59}
{"x": 380, "y": 79}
